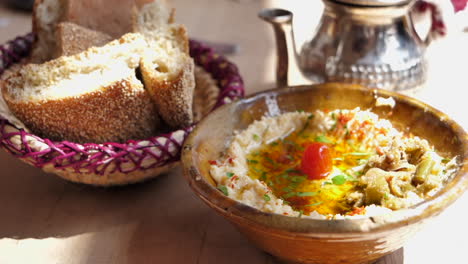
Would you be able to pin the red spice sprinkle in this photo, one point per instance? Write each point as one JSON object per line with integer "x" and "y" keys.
{"x": 285, "y": 213}
{"x": 343, "y": 119}
{"x": 213, "y": 162}
{"x": 234, "y": 178}
{"x": 231, "y": 160}
{"x": 358, "y": 211}
{"x": 382, "y": 130}
{"x": 379, "y": 150}
{"x": 389, "y": 179}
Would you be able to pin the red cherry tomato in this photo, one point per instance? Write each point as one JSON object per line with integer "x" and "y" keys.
{"x": 317, "y": 161}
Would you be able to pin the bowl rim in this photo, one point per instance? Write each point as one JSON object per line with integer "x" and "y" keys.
{"x": 306, "y": 227}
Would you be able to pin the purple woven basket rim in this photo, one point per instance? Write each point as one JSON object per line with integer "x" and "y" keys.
{"x": 225, "y": 74}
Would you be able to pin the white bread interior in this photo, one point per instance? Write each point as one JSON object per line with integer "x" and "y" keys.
{"x": 93, "y": 96}
{"x": 46, "y": 15}
{"x": 81, "y": 73}
{"x": 167, "y": 68}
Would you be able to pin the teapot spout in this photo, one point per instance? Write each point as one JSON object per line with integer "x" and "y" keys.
{"x": 287, "y": 69}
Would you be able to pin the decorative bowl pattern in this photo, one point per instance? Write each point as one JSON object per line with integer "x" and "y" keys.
{"x": 112, "y": 163}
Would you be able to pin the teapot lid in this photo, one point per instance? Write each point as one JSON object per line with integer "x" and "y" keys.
{"x": 373, "y": 2}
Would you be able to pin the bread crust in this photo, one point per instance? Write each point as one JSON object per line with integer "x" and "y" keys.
{"x": 173, "y": 98}
{"x": 43, "y": 27}
{"x": 118, "y": 112}
{"x": 73, "y": 39}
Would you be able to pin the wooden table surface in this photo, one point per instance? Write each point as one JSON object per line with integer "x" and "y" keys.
{"x": 44, "y": 219}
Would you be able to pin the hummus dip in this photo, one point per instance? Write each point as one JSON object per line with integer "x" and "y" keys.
{"x": 329, "y": 165}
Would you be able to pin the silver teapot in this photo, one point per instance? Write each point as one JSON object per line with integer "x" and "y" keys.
{"x": 369, "y": 42}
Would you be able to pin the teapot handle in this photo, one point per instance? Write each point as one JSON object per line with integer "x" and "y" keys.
{"x": 437, "y": 26}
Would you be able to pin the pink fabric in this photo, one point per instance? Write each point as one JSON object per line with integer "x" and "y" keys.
{"x": 459, "y": 5}
{"x": 438, "y": 27}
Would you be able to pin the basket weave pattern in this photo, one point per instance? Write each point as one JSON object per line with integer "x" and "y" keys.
{"x": 111, "y": 163}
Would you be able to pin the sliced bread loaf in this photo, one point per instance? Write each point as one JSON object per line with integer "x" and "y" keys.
{"x": 167, "y": 68}
{"x": 93, "y": 96}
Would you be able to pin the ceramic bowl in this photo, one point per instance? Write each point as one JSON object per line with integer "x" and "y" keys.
{"x": 300, "y": 240}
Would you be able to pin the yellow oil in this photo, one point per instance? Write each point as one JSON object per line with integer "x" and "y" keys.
{"x": 278, "y": 165}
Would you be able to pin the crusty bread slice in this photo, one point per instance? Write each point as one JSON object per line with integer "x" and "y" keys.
{"x": 93, "y": 96}
{"x": 72, "y": 39}
{"x": 46, "y": 15}
{"x": 107, "y": 16}
{"x": 167, "y": 68}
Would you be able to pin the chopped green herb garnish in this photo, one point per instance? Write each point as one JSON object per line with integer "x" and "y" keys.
{"x": 256, "y": 137}
{"x": 269, "y": 160}
{"x": 287, "y": 189}
{"x": 323, "y": 139}
{"x": 293, "y": 185}
{"x": 288, "y": 195}
{"x": 263, "y": 176}
{"x": 257, "y": 170}
{"x": 358, "y": 173}
{"x": 298, "y": 179}
{"x": 289, "y": 142}
{"x": 223, "y": 189}
{"x": 339, "y": 179}
{"x": 306, "y": 124}
{"x": 292, "y": 171}
{"x": 229, "y": 174}
{"x": 315, "y": 204}
{"x": 351, "y": 178}
{"x": 274, "y": 143}
{"x": 302, "y": 194}
{"x": 333, "y": 116}
{"x": 300, "y": 111}
{"x": 252, "y": 161}
{"x": 445, "y": 160}
{"x": 266, "y": 197}
{"x": 293, "y": 144}
{"x": 300, "y": 213}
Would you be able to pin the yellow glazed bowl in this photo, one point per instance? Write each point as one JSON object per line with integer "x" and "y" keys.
{"x": 300, "y": 240}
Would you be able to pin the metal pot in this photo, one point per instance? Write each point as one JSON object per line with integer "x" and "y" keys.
{"x": 368, "y": 42}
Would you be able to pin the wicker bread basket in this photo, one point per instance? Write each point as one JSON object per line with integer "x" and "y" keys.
{"x": 218, "y": 82}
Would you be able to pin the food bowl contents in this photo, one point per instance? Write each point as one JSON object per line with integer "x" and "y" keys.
{"x": 329, "y": 165}
{"x": 83, "y": 88}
